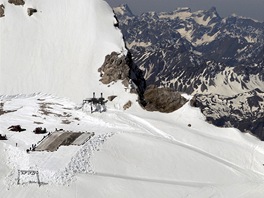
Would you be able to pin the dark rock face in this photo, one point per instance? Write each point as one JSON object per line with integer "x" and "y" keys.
{"x": 2, "y": 10}
{"x": 163, "y": 99}
{"x": 31, "y": 11}
{"x": 137, "y": 77}
{"x": 243, "y": 111}
{"x": 17, "y": 2}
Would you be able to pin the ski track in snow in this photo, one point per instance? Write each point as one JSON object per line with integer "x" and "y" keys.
{"x": 112, "y": 123}
{"x": 160, "y": 181}
{"x": 137, "y": 122}
{"x": 159, "y": 135}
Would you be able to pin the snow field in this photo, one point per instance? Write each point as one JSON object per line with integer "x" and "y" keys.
{"x": 58, "y": 49}
{"x": 156, "y": 153}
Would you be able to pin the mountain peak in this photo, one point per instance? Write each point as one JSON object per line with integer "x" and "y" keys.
{"x": 211, "y": 15}
{"x": 123, "y": 9}
{"x": 213, "y": 11}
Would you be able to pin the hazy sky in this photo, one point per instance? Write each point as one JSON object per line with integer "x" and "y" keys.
{"x": 248, "y": 8}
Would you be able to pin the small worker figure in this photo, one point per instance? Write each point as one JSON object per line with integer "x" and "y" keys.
{"x": 16, "y": 144}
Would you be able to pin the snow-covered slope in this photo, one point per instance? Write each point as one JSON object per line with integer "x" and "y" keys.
{"x": 132, "y": 154}
{"x": 58, "y": 49}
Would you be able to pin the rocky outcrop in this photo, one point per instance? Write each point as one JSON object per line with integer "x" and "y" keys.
{"x": 163, "y": 99}
{"x": 114, "y": 68}
{"x": 127, "y": 105}
{"x": 118, "y": 67}
{"x": 2, "y": 10}
{"x": 17, "y": 2}
{"x": 31, "y": 11}
{"x": 111, "y": 98}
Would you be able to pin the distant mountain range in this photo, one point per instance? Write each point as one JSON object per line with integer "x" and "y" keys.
{"x": 201, "y": 53}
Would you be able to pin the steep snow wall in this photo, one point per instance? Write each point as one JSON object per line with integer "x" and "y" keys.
{"x": 58, "y": 49}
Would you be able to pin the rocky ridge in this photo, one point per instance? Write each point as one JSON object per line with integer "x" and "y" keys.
{"x": 174, "y": 49}
{"x": 205, "y": 55}
{"x": 244, "y": 111}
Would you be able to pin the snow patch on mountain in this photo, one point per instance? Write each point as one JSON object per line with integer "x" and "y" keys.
{"x": 181, "y": 13}
{"x": 229, "y": 83}
{"x": 141, "y": 44}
